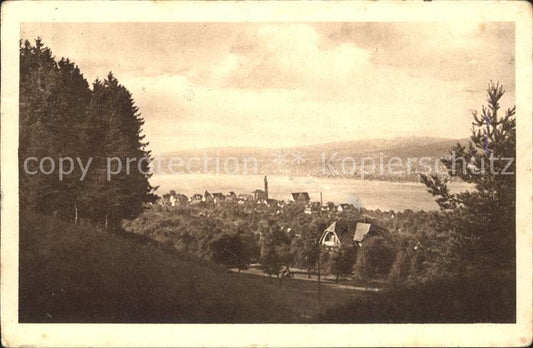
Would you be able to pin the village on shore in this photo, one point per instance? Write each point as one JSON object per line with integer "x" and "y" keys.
{"x": 257, "y": 199}
{"x": 343, "y": 231}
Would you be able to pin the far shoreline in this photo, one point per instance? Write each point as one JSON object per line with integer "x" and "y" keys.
{"x": 371, "y": 194}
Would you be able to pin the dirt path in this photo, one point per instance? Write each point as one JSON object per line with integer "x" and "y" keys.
{"x": 300, "y": 275}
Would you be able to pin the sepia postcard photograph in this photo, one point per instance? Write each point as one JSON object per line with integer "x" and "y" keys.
{"x": 266, "y": 173}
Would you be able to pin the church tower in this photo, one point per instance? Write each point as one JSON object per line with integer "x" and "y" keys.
{"x": 266, "y": 188}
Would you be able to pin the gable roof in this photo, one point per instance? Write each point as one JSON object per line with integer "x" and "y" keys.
{"x": 343, "y": 229}
{"x": 300, "y": 196}
{"x": 361, "y": 231}
{"x": 364, "y": 229}
{"x": 350, "y": 231}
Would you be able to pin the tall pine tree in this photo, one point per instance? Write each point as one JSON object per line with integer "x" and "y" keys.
{"x": 113, "y": 136}
{"x": 487, "y": 214}
{"x": 61, "y": 117}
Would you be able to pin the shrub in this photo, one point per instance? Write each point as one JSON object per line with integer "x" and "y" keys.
{"x": 229, "y": 250}
{"x": 374, "y": 259}
{"x": 341, "y": 261}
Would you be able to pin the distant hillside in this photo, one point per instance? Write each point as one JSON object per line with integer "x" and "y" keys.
{"x": 313, "y": 160}
{"x": 79, "y": 275}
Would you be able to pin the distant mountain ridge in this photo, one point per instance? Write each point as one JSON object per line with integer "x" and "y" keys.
{"x": 327, "y": 159}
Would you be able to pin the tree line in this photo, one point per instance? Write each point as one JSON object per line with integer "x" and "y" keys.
{"x": 225, "y": 234}
{"x": 62, "y": 116}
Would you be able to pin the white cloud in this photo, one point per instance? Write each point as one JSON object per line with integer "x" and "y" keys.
{"x": 274, "y": 117}
{"x": 204, "y": 85}
{"x": 284, "y": 56}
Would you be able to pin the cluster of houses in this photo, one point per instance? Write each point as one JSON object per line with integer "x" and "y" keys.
{"x": 257, "y": 197}
{"x": 174, "y": 199}
{"x": 340, "y": 232}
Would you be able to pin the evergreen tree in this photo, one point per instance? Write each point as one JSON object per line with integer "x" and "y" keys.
{"x": 115, "y": 119}
{"x": 53, "y": 97}
{"x": 61, "y": 118}
{"x": 487, "y": 214}
{"x": 73, "y": 96}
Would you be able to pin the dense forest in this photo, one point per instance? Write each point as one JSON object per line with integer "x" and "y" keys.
{"x": 69, "y": 127}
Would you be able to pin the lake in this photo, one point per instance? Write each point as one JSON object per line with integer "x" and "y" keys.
{"x": 366, "y": 193}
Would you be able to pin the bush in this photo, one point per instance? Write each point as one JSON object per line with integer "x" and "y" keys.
{"x": 374, "y": 258}
{"x": 341, "y": 261}
{"x": 229, "y": 250}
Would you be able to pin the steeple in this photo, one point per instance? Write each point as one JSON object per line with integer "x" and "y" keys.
{"x": 266, "y": 188}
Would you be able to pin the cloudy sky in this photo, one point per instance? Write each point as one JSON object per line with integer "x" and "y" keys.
{"x": 275, "y": 85}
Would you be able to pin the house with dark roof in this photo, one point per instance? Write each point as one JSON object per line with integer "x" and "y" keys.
{"x": 301, "y": 197}
{"x": 196, "y": 198}
{"x": 178, "y": 199}
{"x": 208, "y": 197}
{"x": 259, "y": 195}
{"x": 245, "y": 197}
{"x": 218, "y": 197}
{"x": 347, "y": 233}
{"x": 345, "y": 207}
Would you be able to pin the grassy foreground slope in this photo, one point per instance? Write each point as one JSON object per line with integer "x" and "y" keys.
{"x": 480, "y": 298}
{"x": 78, "y": 274}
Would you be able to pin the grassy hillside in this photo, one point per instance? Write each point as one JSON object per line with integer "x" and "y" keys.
{"x": 487, "y": 297}
{"x": 77, "y": 274}
{"x": 81, "y": 275}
